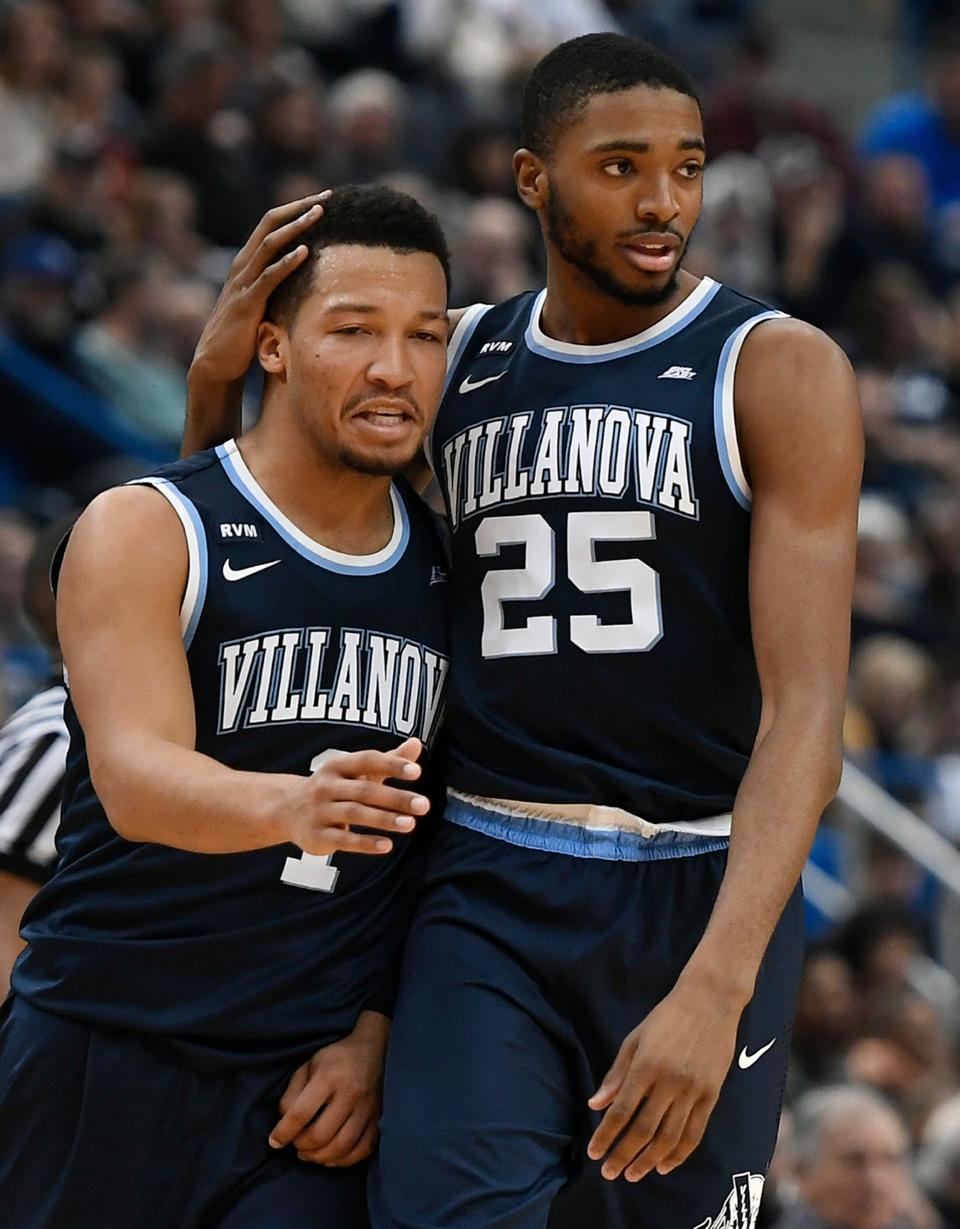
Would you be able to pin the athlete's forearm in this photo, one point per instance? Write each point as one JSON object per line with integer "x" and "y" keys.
{"x": 792, "y": 775}
{"x": 154, "y": 790}
{"x": 213, "y": 410}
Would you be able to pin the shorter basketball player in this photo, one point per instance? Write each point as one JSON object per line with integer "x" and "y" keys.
{"x": 255, "y": 641}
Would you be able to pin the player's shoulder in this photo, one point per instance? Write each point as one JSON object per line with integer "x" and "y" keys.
{"x": 129, "y": 522}
{"x": 125, "y": 514}
{"x": 781, "y": 347}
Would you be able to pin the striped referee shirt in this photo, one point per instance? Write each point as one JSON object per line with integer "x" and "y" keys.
{"x": 33, "y": 753}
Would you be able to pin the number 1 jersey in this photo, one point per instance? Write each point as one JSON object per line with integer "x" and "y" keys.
{"x": 294, "y": 650}
{"x": 600, "y": 518}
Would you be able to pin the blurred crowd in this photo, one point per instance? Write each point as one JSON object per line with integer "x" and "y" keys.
{"x": 140, "y": 142}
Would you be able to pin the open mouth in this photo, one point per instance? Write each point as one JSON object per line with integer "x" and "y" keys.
{"x": 655, "y": 254}
{"x": 385, "y": 419}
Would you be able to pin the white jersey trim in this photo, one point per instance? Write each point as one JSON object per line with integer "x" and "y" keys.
{"x": 724, "y": 411}
{"x": 691, "y": 307}
{"x": 595, "y": 816}
{"x": 239, "y": 474}
{"x": 196, "y": 590}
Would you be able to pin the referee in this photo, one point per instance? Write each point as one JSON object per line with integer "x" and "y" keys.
{"x": 33, "y": 751}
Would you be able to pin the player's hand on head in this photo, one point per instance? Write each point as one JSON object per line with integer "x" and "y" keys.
{"x": 350, "y": 789}
{"x": 663, "y": 1085}
{"x": 227, "y": 344}
{"x": 331, "y": 1106}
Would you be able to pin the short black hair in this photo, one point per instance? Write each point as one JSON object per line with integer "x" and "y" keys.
{"x": 565, "y": 80}
{"x": 370, "y": 215}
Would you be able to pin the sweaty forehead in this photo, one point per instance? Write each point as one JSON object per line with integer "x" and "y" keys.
{"x": 643, "y": 114}
{"x": 354, "y": 273}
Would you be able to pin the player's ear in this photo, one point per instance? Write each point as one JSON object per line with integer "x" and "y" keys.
{"x": 530, "y": 174}
{"x": 271, "y": 349}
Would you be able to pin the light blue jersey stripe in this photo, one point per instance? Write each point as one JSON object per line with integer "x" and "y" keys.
{"x": 724, "y": 420}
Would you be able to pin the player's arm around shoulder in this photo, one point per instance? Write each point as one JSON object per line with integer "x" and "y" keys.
{"x": 118, "y": 614}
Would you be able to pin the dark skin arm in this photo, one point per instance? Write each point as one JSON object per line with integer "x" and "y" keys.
{"x": 331, "y": 1106}
{"x": 228, "y": 342}
{"x": 798, "y": 422}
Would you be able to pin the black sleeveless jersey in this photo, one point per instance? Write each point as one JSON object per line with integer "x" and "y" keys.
{"x": 293, "y": 650}
{"x": 600, "y": 534}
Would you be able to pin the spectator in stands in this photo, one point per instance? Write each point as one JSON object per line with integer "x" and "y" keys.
{"x": 290, "y": 131}
{"x": 52, "y": 417}
{"x": 481, "y": 158}
{"x": 33, "y": 749}
{"x": 905, "y": 1052}
{"x": 938, "y": 1161}
{"x": 893, "y": 682}
{"x": 145, "y": 386}
{"x": 32, "y": 59}
{"x": 891, "y": 569}
{"x": 826, "y": 1020}
{"x": 491, "y": 260}
{"x": 734, "y": 237}
{"x": 852, "y": 1171}
{"x": 77, "y": 198}
{"x": 162, "y": 217}
{"x": 829, "y": 244}
{"x": 368, "y": 109}
{"x": 753, "y": 107}
{"x": 193, "y": 131}
{"x": 927, "y": 125}
{"x": 884, "y": 945}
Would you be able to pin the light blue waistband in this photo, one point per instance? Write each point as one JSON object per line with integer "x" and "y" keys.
{"x": 610, "y": 844}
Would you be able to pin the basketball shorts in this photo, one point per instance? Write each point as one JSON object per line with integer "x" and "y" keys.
{"x": 105, "y": 1129}
{"x": 524, "y": 972}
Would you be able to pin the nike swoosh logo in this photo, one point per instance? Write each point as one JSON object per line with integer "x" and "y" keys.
{"x": 745, "y": 1061}
{"x": 469, "y": 385}
{"x": 230, "y": 573}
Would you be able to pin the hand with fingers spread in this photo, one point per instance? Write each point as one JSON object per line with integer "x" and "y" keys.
{"x": 227, "y": 345}
{"x": 664, "y": 1084}
{"x": 331, "y": 1106}
{"x": 348, "y": 790}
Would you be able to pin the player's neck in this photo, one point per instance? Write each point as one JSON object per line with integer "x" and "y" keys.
{"x": 576, "y": 311}
{"x": 338, "y": 507}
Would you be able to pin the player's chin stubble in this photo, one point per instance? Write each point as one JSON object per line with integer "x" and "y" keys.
{"x": 377, "y": 467}
{"x": 581, "y": 253}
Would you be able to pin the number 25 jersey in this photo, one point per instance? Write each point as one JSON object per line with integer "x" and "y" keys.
{"x": 600, "y": 518}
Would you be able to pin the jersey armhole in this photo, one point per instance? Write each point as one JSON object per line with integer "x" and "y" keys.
{"x": 455, "y": 347}
{"x": 195, "y": 592}
{"x": 724, "y": 413}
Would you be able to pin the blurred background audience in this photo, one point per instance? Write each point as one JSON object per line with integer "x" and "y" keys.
{"x": 141, "y": 140}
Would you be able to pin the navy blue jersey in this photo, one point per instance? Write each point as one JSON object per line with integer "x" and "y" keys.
{"x": 600, "y": 534}
{"x": 293, "y": 650}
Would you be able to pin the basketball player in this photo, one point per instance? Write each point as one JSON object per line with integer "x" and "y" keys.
{"x": 651, "y": 482}
{"x": 255, "y": 642}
